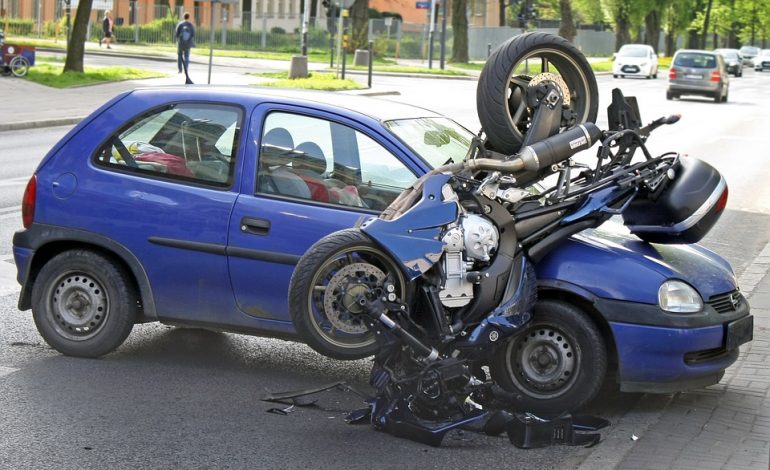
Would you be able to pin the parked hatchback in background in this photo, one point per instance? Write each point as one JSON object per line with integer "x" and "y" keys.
{"x": 733, "y": 61}
{"x": 696, "y": 72}
{"x": 635, "y": 60}
{"x": 762, "y": 61}
{"x": 748, "y": 53}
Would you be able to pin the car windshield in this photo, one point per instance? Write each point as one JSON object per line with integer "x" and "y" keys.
{"x": 632, "y": 51}
{"x": 749, "y": 50}
{"x": 696, "y": 60}
{"x": 436, "y": 140}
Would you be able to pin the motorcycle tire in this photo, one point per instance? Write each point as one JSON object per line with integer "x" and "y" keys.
{"x": 328, "y": 276}
{"x": 502, "y": 110}
{"x": 557, "y": 364}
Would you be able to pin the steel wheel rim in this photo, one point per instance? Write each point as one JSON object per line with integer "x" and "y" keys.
{"x": 578, "y": 86}
{"x": 543, "y": 361}
{"x": 320, "y": 322}
{"x": 79, "y": 306}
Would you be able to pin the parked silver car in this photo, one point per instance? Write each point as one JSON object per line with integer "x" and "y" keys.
{"x": 696, "y": 72}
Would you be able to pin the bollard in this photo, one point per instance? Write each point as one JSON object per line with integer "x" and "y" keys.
{"x": 371, "y": 61}
{"x": 489, "y": 50}
{"x": 344, "y": 60}
{"x": 298, "y": 67}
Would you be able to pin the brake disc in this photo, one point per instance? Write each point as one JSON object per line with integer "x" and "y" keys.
{"x": 348, "y": 285}
{"x": 556, "y": 80}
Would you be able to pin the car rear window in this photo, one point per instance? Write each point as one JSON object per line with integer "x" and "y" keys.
{"x": 696, "y": 60}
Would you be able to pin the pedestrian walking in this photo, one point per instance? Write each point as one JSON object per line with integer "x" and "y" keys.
{"x": 185, "y": 39}
{"x": 107, "y": 29}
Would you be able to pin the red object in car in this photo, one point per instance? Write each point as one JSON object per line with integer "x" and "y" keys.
{"x": 672, "y": 74}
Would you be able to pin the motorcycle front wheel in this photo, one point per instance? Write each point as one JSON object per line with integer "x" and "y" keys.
{"x": 334, "y": 273}
{"x": 557, "y": 364}
{"x": 524, "y": 61}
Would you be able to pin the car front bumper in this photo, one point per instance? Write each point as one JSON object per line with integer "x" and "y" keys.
{"x": 660, "y": 352}
{"x": 632, "y": 71}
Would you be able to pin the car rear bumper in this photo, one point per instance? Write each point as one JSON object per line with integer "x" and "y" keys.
{"x": 684, "y": 88}
{"x": 657, "y": 359}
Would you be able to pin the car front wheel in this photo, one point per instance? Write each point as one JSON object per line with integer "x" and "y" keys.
{"x": 556, "y": 364}
{"x": 84, "y": 304}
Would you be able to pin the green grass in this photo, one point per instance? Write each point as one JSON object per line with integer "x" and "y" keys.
{"x": 602, "y": 65}
{"x": 51, "y": 75}
{"x": 316, "y": 81}
{"x": 469, "y": 66}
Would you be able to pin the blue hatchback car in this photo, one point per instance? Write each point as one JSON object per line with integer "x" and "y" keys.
{"x": 191, "y": 206}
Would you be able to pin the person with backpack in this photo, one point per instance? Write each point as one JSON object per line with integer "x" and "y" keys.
{"x": 185, "y": 39}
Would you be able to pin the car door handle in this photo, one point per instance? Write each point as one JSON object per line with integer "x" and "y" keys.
{"x": 255, "y": 226}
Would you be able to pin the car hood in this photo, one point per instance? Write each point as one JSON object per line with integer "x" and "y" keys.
{"x": 632, "y": 60}
{"x": 612, "y": 263}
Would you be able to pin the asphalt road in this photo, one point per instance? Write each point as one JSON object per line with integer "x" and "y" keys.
{"x": 172, "y": 397}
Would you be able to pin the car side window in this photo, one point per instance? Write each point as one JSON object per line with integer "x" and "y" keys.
{"x": 320, "y": 160}
{"x": 192, "y": 142}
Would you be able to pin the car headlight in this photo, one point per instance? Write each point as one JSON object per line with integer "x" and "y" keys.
{"x": 679, "y": 297}
{"x": 644, "y": 64}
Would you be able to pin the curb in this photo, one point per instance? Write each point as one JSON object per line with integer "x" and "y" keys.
{"x": 22, "y": 125}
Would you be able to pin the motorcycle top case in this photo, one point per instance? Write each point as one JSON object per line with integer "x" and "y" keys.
{"x": 685, "y": 211}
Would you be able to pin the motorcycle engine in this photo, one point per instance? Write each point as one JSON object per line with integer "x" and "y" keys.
{"x": 474, "y": 239}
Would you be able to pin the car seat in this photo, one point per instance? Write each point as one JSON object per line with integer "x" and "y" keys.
{"x": 274, "y": 176}
{"x": 310, "y": 164}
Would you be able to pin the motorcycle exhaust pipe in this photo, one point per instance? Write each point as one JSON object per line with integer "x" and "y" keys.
{"x": 559, "y": 147}
{"x": 543, "y": 154}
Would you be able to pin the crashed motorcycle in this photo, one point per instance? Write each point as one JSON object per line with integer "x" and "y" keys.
{"x": 440, "y": 287}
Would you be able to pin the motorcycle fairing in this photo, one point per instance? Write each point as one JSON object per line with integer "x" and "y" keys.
{"x": 414, "y": 237}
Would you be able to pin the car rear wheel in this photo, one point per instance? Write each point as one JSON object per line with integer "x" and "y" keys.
{"x": 669, "y": 95}
{"x": 556, "y": 364}
{"x": 718, "y": 97}
{"x": 85, "y": 304}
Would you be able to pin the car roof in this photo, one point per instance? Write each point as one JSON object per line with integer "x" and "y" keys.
{"x": 696, "y": 51}
{"x": 374, "y": 108}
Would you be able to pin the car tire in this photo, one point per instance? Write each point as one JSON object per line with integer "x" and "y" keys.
{"x": 669, "y": 95}
{"x": 85, "y": 304}
{"x": 724, "y": 98}
{"x": 556, "y": 364}
{"x": 718, "y": 97}
{"x": 341, "y": 333}
{"x": 614, "y": 75}
{"x": 655, "y": 76}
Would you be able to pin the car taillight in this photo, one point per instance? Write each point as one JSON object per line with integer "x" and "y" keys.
{"x": 716, "y": 76}
{"x": 672, "y": 74}
{"x": 28, "y": 202}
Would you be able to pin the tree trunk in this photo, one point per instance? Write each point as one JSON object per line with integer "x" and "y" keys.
{"x": 567, "y": 26}
{"x": 670, "y": 40}
{"x": 460, "y": 29}
{"x": 503, "y": 4}
{"x": 622, "y": 34}
{"x": 359, "y": 13}
{"x": 706, "y": 25}
{"x": 652, "y": 25}
{"x": 76, "y": 46}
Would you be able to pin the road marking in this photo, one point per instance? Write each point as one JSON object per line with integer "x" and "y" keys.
{"x": 14, "y": 181}
{"x": 7, "y": 370}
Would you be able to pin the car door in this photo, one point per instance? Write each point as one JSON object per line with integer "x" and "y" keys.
{"x": 315, "y": 173}
{"x": 168, "y": 182}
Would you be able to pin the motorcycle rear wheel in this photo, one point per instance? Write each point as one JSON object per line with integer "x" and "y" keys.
{"x": 556, "y": 364}
{"x": 327, "y": 279}
{"x": 502, "y": 109}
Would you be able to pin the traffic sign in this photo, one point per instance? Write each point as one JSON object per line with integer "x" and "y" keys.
{"x": 422, "y": 5}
